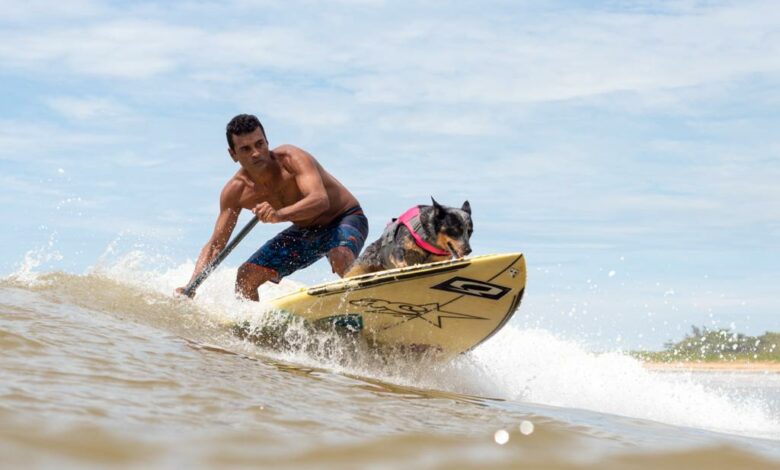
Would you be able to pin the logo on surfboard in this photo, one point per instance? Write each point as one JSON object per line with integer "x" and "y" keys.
{"x": 465, "y": 286}
{"x": 430, "y": 313}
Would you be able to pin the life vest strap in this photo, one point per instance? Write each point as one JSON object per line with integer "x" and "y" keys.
{"x": 411, "y": 219}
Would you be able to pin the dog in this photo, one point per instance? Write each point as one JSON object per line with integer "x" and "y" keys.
{"x": 422, "y": 234}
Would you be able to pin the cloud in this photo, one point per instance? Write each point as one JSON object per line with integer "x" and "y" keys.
{"x": 577, "y": 130}
{"x": 41, "y": 11}
{"x": 131, "y": 49}
{"x": 23, "y": 140}
{"x": 443, "y": 122}
{"x": 542, "y": 56}
{"x": 16, "y": 187}
{"x": 86, "y": 108}
{"x": 131, "y": 159}
{"x": 307, "y": 106}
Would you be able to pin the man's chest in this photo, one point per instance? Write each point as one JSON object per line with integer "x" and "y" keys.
{"x": 278, "y": 197}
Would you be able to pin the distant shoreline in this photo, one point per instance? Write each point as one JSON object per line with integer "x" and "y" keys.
{"x": 715, "y": 366}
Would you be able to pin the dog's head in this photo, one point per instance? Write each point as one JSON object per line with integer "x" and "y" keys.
{"x": 453, "y": 228}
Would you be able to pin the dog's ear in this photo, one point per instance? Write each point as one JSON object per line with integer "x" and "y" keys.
{"x": 466, "y": 208}
{"x": 438, "y": 209}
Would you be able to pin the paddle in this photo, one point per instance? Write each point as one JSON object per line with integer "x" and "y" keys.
{"x": 189, "y": 291}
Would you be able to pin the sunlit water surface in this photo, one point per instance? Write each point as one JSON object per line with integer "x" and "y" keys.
{"x": 106, "y": 370}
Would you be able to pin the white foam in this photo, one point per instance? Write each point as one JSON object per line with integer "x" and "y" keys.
{"x": 520, "y": 365}
{"x": 216, "y": 295}
{"x": 26, "y": 273}
{"x": 535, "y": 366}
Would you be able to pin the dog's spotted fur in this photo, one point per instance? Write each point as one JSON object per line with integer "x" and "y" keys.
{"x": 444, "y": 227}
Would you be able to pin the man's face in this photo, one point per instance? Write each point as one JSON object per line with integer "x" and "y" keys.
{"x": 250, "y": 150}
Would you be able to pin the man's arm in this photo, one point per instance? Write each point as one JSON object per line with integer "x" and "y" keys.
{"x": 307, "y": 176}
{"x": 226, "y": 222}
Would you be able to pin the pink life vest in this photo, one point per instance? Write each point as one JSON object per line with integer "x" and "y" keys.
{"x": 411, "y": 219}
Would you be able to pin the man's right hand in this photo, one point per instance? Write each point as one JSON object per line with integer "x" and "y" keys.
{"x": 267, "y": 214}
{"x": 179, "y": 292}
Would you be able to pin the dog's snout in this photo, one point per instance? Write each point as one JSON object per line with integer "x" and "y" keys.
{"x": 467, "y": 251}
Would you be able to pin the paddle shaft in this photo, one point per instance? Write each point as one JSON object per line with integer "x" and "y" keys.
{"x": 190, "y": 289}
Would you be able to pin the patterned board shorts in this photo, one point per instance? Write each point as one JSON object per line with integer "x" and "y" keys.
{"x": 296, "y": 247}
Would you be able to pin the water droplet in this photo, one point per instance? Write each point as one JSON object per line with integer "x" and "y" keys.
{"x": 501, "y": 437}
{"x": 526, "y": 427}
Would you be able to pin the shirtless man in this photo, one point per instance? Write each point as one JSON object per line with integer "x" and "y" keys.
{"x": 285, "y": 184}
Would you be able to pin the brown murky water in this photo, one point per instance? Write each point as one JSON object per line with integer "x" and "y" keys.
{"x": 106, "y": 371}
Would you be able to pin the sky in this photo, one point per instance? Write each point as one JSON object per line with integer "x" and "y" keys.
{"x": 628, "y": 148}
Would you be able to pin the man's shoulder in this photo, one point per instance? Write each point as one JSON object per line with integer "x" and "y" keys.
{"x": 234, "y": 187}
{"x": 293, "y": 158}
{"x": 289, "y": 150}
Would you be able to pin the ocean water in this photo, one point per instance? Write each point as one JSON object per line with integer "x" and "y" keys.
{"x": 106, "y": 370}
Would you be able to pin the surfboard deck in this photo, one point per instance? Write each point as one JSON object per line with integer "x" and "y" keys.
{"x": 448, "y": 307}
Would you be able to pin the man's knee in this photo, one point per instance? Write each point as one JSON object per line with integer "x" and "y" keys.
{"x": 251, "y": 276}
{"x": 341, "y": 258}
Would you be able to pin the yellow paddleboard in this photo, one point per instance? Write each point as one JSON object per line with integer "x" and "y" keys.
{"x": 447, "y": 307}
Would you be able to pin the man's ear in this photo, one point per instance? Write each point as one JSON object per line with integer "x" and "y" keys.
{"x": 466, "y": 208}
{"x": 232, "y": 154}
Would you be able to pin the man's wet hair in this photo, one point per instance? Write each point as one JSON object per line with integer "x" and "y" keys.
{"x": 240, "y": 125}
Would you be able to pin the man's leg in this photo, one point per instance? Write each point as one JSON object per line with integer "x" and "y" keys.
{"x": 250, "y": 277}
{"x": 341, "y": 258}
{"x": 277, "y": 258}
{"x": 349, "y": 237}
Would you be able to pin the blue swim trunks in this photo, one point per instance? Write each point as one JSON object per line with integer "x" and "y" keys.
{"x": 296, "y": 247}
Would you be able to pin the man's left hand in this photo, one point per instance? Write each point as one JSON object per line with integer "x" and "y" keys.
{"x": 266, "y": 213}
